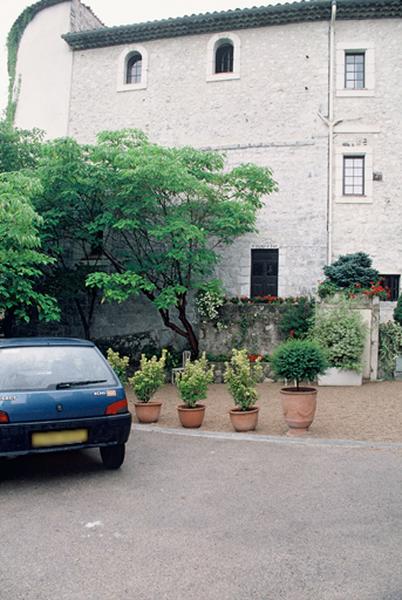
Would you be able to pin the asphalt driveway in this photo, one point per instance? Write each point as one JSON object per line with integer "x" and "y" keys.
{"x": 193, "y": 518}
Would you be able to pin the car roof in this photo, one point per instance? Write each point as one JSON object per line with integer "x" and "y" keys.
{"x": 43, "y": 341}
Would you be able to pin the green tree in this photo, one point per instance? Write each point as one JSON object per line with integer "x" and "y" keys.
{"x": 19, "y": 148}
{"x": 21, "y": 259}
{"x": 70, "y": 201}
{"x": 169, "y": 210}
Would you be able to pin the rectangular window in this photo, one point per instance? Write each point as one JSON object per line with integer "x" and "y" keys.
{"x": 353, "y": 175}
{"x": 391, "y": 284}
{"x": 354, "y": 70}
{"x": 264, "y": 273}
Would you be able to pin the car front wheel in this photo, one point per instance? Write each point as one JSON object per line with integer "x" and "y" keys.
{"x": 113, "y": 456}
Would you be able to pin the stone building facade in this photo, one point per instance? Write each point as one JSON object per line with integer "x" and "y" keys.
{"x": 312, "y": 91}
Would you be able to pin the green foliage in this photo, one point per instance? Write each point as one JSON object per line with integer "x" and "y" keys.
{"x": 327, "y": 288}
{"x": 298, "y": 360}
{"x": 149, "y": 378}
{"x": 296, "y": 318}
{"x": 340, "y": 332}
{"x": 21, "y": 259}
{"x": 390, "y": 347}
{"x": 193, "y": 381}
{"x": 242, "y": 378}
{"x": 398, "y": 311}
{"x": 168, "y": 210}
{"x": 19, "y": 148}
{"x": 221, "y": 358}
{"x": 119, "y": 364}
{"x": 209, "y": 299}
{"x": 352, "y": 269}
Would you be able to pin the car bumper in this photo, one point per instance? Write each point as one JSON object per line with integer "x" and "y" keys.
{"x": 16, "y": 438}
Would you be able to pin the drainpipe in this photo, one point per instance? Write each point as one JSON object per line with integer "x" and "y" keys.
{"x": 331, "y": 92}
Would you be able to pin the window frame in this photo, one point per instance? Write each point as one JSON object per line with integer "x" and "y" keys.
{"x": 354, "y": 53}
{"x": 394, "y": 287}
{"x": 342, "y": 50}
{"x": 349, "y": 150}
{"x": 214, "y": 43}
{"x": 254, "y": 254}
{"x": 129, "y": 68}
{"x": 122, "y": 67}
{"x": 347, "y": 157}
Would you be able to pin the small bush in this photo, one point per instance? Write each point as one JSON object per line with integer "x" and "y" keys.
{"x": 398, "y": 311}
{"x": 340, "y": 332}
{"x": 119, "y": 364}
{"x": 352, "y": 269}
{"x": 390, "y": 347}
{"x": 149, "y": 378}
{"x": 193, "y": 381}
{"x": 242, "y": 378}
{"x": 298, "y": 360}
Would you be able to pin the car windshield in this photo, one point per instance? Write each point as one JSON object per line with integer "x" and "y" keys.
{"x": 46, "y": 367}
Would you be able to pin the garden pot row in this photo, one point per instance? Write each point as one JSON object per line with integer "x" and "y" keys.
{"x": 299, "y": 406}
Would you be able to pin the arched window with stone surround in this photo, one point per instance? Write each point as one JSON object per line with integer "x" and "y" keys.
{"x": 224, "y": 57}
{"x": 134, "y": 68}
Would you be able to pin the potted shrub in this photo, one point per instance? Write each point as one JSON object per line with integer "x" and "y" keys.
{"x": 241, "y": 377}
{"x": 145, "y": 382}
{"x": 340, "y": 332}
{"x": 192, "y": 384}
{"x": 298, "y": 361}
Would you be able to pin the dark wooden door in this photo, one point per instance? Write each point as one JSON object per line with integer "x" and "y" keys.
{"x": 264, "y": 273}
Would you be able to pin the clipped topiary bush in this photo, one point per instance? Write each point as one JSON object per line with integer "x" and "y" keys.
{"x": 149, "y": 378}
{"x": 298, "y": 360}
{"x": 340, "y": 332}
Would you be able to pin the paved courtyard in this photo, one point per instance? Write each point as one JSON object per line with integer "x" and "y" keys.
{"x": 204, "y": 518}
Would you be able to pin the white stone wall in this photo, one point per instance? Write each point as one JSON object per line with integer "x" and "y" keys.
{"x": 375, "y": 122}
{"x": 268, "y": 116}
{"x": 43, "y": 74}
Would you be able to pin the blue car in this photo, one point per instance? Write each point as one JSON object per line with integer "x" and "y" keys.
{"x": 60, "y": 394}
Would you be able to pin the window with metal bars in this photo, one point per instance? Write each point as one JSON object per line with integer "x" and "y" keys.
{"x": 355, "y": 70}
{"x": 353, "y": 175}
{"x": 224, "y": 58}
{"x": 391, "y": 284}
{"x": 134, "y": 68}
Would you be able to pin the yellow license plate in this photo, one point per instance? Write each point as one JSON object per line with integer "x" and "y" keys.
{"x": 59, "y": 438}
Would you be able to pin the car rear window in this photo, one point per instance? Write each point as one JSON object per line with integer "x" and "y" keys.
{"x": 52, "y": 367}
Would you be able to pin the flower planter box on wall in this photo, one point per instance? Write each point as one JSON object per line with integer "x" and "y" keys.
{"x": 341, "y": 377}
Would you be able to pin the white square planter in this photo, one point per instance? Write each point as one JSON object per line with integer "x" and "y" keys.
{"x": 334, "y": 376}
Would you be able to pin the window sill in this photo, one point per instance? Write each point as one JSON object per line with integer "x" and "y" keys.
{"x": 131, "y": 87}
{"x": 355, "y": 93}
{"x": 354, "y": 200}
{"x": 222, "y": 77}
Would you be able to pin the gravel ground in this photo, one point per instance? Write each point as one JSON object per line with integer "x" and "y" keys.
{"x": 370, "y": 412}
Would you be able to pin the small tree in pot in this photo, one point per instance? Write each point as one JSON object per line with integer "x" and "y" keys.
{"x": 192, "y": 384}
{"x": 241, "y": 378}
{"x": 298, "y": 361}
{"x": 145, "y": 382}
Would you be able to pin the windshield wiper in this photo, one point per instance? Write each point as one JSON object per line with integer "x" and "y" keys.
{"x": 68, "y": 384}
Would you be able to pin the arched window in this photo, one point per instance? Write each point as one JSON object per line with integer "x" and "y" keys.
{"x": 224, "y": 58}
{"x": 134, "y": 68}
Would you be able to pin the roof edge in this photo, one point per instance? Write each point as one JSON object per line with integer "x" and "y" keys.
{"x": 301, "y": 11}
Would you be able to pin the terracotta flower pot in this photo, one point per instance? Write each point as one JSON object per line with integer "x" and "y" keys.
{"x": 244, "y": 420}
{"x": 299, "y": 408}
{"x": 191, "y": 417}
{"x": 147, "y": 412}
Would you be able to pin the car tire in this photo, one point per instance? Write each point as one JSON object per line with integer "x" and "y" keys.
{"x": 113, "y": 456}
